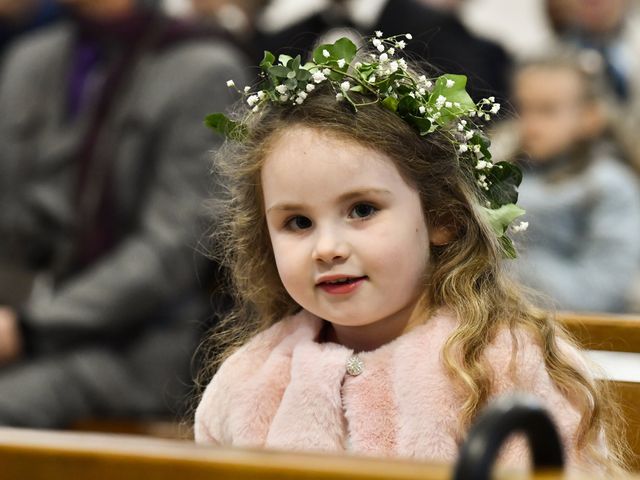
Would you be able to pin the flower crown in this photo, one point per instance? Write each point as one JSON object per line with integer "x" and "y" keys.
{"x": 427, "y": 104}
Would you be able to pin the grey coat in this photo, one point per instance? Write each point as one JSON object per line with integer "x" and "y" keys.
{"x": 123, "y": 329}
{"x": 582, "y": 247}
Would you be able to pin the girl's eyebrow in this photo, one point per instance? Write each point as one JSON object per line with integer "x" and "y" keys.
{"x": 342, "y": 198}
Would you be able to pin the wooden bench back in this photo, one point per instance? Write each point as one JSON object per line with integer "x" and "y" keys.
{"x": 615, "y": 333}
{"x": 42, "y": 455}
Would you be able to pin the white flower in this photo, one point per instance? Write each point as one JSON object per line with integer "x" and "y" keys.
{"x": 450, "y": 83}
{"x": 310, "y": 87}
{"x": 495, "y": 108}
{"x": 492, "y": 99}
{"x": 380, "y": 48}
{"x": 457, "y": 104}
{"x": 403, "y": 63}
{"x": 384, "y": 57}
{"x": 281, "y": 89}
{"x": 326, "y": 71}
{"x": 252, "y": 100}
{"x": 428, "y": 84}
{"x": 440, "y": 101}
{"x": 318, "y": 77}
{"x": 422, "y": 79}
{"x": 345, "y": 86}
{"x": 391, "y": 51}
{"x": 394, "y": 67}
{"x": 401, "y": 44}
{"x": 246, "y": 89}
{"x": 378, "y": 33}
{"x": 409, "y": 36}
{"x": 463, "y": 147}
{"x": 372, "y": 79}
{"x": 339, "y": 97}
{"x": 460, "y": 127}
{"x": 487, "y": 117}
{"x": 476, "y": 148}
{"x": 358, "y": 65}
{"x": 421, "y": 109}
{"x": 481, "y": 165}
{"x": 469, "y": 135}
{"x": 422, "y": 91}
{"x": 325, "y": 53}
{"x": 255, "y": 109}
{"x": 376, "y": 42}
{"x": 299, "y": 100}
{"x": 472, "y": 113}
{"x": 521, "y": 227}
{"x": 261, "y": 94}
{"x": 341, "y": 63}
{"x": 302, "y": 95}
{"x": 284, "y": 98}
{"x": 448, "y": 104}
{"x": 231, "y": 83}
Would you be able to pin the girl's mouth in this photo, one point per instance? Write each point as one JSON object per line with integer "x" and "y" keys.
{"x": 341, "y": 286}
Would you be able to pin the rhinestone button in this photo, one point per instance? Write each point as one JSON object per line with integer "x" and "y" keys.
{"x": 355, "y": 366}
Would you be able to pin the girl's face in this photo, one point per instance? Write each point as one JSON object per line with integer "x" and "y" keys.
{"x": 348, "y": 234}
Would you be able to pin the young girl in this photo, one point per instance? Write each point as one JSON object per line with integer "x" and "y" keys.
{"x": 364, "y": 232}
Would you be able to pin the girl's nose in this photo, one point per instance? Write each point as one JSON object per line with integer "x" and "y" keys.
{"x": 330, "y": 247}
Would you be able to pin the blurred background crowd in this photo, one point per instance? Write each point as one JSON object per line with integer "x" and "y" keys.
{"x": 104, "y": 169}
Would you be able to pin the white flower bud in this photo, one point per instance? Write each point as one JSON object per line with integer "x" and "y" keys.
{"x": 450, "y": 83}
{"x": 325, "y": 53}
{"x": 310, "y": 87}
{"x": 231, "y": 83}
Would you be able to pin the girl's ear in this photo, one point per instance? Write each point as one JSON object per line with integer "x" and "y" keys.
{"x": 439, "y": 236}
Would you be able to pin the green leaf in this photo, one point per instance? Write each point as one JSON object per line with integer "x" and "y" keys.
{"x": 303, "y": 75}
{"x": 267, "y": 60}
{"x": 342, "y": 48}
{"x": 454, "y": 94}
{"x": 279, "y": 71}
{"x": 420, "y": 123}
{"x": 220, "y": 123}
{"x": 501, "y": 218}
{"x": 390, "y": 103}
{"x": 504, "y": 179}
{"x": 284, "y": 59}
{"x": 295, "y": 63}
{"x": 407, "y": 105}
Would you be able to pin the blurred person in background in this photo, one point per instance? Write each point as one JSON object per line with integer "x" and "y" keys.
{"x": 103, "y": 169}
{"x": 439, "y": 36}
{"x": 21, "y": 16}
{"x": 582, "y": 246}
{"x": 607, "y": 35}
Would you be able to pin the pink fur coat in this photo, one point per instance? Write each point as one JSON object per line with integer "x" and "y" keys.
{"x": 285, "y": 390}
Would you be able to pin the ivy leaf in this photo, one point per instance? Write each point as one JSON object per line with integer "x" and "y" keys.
{"x": 267, "y": 60}
{"x": 342, "y": 48}
{"x": 504, "y": 179}
{"x": 407, "y": 105}
{"x": 454, "y": 94}
{"x": 220, "y": 123}
{"x": 279, "y": 71}
{"x": 284, "y": 59}
{"x": 420, "y": 123}
{"x": 501, "y": 218}
{"x": 390, "y": 103}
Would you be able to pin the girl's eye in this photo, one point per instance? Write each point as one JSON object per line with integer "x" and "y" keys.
{"x": 299, "y": 223}
{"x": 363, "y": 210}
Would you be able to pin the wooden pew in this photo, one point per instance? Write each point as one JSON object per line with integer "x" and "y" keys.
{"x": 615, "y": 333}
{"x": 48, "y": 455}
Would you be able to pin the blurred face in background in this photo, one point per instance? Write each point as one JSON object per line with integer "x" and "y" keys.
{"x": 101, "y": 9}
{"x": 601, "y": 16}
{"x": 551, "y": 106}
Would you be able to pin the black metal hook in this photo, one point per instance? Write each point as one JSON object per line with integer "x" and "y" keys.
{"x": 518, "y": 413}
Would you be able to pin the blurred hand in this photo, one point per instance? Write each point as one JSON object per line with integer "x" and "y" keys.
{"x": 10, "y": 337}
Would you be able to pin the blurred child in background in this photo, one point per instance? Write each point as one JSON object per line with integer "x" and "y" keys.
{"x": 583, "y": 204}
